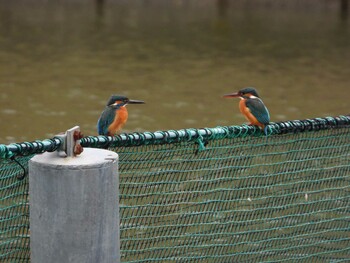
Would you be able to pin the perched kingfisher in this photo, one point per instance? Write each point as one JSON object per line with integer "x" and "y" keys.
{"x": 252, "y": 107}
{"x": 115, "y": 115}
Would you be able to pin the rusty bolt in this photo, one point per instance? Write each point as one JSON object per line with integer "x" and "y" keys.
{"x": 77, "y": 135}
{"x": 78, "y": 149}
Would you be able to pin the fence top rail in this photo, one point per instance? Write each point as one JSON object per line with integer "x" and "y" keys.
{"x": 174, "y": 136}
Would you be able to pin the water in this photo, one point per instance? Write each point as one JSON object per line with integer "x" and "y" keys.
{"x": 61, "y": 60}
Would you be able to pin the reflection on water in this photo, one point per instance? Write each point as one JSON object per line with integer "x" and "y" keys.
{"x": 61, "y": 60}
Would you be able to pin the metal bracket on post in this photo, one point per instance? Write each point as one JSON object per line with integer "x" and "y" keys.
{"x": 71, "y": 143}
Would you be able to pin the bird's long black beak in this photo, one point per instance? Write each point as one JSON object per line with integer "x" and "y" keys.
{"x": 136, "y": 102}
{"x": 232, "y": 95}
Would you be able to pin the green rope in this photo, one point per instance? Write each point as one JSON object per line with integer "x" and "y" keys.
{"x": 199, "y": 136}
{"x": 5, "y": 153}
{"x": 29, "y": 148}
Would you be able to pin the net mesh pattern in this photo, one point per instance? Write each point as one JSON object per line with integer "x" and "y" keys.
{"x": 244, "y": 198}
{"x": 239, "y": 200}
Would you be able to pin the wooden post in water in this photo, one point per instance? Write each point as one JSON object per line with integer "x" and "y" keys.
{"x": 74, "y": 207}
{"x": 344, "y": 9}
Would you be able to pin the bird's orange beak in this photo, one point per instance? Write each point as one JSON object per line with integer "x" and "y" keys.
{"x": 232, "y": 95}
{"x": 136, "y": 102}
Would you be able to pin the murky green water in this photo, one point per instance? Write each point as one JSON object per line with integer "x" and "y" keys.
{"x": 61, "y": 60}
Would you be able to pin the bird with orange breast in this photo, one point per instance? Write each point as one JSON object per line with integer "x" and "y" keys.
{"x": 114, "y": 115}
{"x": 252, "y": 107}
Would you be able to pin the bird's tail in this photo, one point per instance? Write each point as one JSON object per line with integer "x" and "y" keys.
{"x": 265, "y": 129}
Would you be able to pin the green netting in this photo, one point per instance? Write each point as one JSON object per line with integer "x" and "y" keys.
{"x": 14, "y": 212}
{"x": 227, "y": 194}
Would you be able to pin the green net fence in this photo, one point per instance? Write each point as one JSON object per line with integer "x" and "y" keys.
{"x": 226, "y": 194}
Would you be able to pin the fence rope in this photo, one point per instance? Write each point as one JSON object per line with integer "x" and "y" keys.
{"x": 201, "y": 136}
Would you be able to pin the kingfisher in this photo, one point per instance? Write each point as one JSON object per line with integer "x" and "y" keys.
{"x": 114, "y": 115}
{"x": 252, "y": 107}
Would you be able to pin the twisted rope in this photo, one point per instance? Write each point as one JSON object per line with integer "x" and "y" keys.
{"x": 28, "y": 148}
{"x": 199, "y": 136}
{"x": 221, "y": 132}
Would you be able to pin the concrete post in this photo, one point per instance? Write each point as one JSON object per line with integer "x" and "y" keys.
{"x": 74, "y": 207}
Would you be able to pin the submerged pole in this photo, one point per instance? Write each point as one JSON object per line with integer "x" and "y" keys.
{"x": 74, "y": 207}
{"x": 344, "y": 9}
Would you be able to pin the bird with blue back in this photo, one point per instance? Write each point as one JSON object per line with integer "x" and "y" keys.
{"x": 252, "y": 107}
{"x": 115, "y": 115}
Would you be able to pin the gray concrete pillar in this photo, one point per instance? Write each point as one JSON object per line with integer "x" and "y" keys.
{"x": 74, "y": 207}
